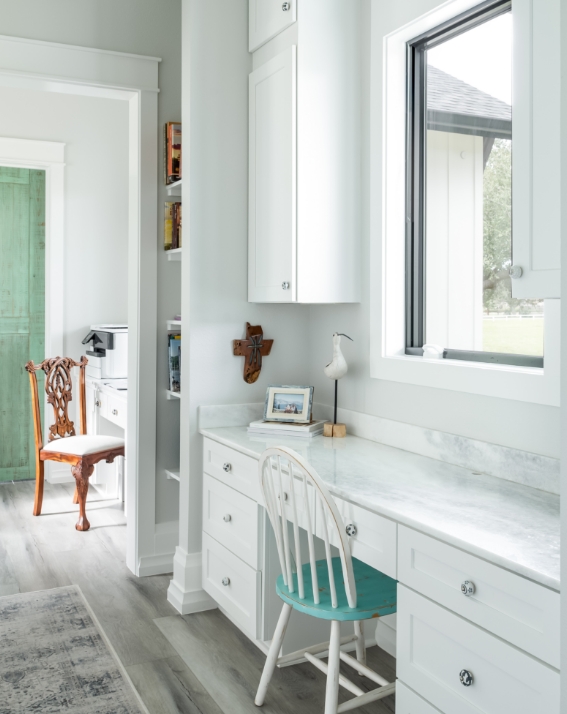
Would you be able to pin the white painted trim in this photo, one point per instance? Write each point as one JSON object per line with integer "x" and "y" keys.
{"x": 50, "y": 67}
{"x": 387, "y": 243}
{"x": 185, "y": 590}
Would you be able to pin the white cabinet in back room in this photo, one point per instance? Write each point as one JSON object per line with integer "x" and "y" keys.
{"x": 267, "y": 18}
{"x": 304, "y": 219}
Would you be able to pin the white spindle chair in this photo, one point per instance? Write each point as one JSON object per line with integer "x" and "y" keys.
{"x": 295, "y": 495}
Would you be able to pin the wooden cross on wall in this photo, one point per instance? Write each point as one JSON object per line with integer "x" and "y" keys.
{"x": 253, "y": 348}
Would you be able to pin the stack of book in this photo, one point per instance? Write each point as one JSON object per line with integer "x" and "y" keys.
{"x": 172, "y": 152}
{"x": 174, "y": 344}
{"x": 172, "y": 226}
{"x": 274, "y": 428}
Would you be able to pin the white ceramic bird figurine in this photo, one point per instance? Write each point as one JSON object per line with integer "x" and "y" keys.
{"x": 337, "y": 367}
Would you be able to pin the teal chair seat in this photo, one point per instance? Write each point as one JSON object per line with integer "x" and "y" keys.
{"x": 376, "y": 593}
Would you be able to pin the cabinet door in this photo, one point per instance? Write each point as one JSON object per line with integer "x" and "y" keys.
{"x": 536, "y": 196}
{"x": 272, "y": 176}
{"x": 267, "y": 18}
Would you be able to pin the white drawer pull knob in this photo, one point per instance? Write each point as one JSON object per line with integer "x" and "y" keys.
{"x": 226, "y": 582}
{"x": 468, "y": 588}
{"x": 97, "y": 403}
{"x": 351, "y": 529}
{"x": 226, "y": 467}
{"x": 227, "y": 518}
{"x": 286, "y": 6}
{"x": 284, "y": 496}
{"x": 285, "y": 285}
{"x": 466, "y": 678}
{"x": 115, "y": 412}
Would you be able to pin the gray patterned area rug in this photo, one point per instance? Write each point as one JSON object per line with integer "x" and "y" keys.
{"x": 55, "y": 658}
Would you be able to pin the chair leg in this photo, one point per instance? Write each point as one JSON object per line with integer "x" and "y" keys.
{"x": 39, "y": 471}
{"x": 360, "y": 644}
{"x": 81, "y": 472}
{"x": 273, "y": 654}
{"x": 333, "y": 664}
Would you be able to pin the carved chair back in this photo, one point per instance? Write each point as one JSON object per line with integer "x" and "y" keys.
{"x": 59, "y": 390}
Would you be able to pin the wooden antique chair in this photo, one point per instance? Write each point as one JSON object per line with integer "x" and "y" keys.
{"x": 83, "y": 451}
{"x": 339, "y": 589}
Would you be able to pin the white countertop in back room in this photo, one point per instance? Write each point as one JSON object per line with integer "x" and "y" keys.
{"x": 511, "y": 525}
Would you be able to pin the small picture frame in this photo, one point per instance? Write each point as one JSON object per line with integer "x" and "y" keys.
{"x": 289, "y": 403}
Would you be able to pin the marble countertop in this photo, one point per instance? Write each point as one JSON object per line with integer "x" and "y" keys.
{"x": 514, "y": 526}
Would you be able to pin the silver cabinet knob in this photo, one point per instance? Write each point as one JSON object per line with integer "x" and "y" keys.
{"x": 351, "y": 529}
{"x": 285, "y": 285}
{"x": 284, "y": 496}
{"x": 226, "y": 467}
{"x": 468, "y": 588}
{"x": 226, "y": 582}
{"x": 97, "y": 403}
{"x": 516, "y": 272}
{"x": 466, "y": 677}
{"x": 286, "y": 6}
{"x": 115, "y": 412}
{"x": 227, "y": 518}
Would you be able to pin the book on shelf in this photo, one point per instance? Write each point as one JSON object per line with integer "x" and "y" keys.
{"x": 172, "y": 225}
{"x": 287, "y": 428}
{"x": 174, "y": 354}
{"x": 172, "y": 152}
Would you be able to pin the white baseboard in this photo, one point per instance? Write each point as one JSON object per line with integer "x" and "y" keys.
{"x": 165, "y": 542}
{"x": 185, "y": 591}
{"x": 156, "y": 564}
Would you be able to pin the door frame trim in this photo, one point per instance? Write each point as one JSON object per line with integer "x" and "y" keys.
{"x": 85, "y": 71}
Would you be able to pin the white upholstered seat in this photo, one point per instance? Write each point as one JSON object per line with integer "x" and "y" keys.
{"x": 83, "y": 445}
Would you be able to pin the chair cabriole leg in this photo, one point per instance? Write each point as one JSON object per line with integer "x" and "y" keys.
{"x": 81, "y": 471}
{"x": 332, "y": 692}
{"x": 273, "y": 654}
{"x": 39, "y": 477}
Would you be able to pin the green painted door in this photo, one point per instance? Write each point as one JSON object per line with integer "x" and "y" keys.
{"x": 22, "y": 313}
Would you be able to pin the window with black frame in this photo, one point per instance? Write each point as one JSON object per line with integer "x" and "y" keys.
{"x": 459, "y": 196}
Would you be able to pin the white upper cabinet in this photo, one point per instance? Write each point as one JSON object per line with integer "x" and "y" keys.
{"x": 305, "y": 159}
{"x": 272, "y": 181}
{"x": 536, "y": 139}
{"x": 267, "y": 18}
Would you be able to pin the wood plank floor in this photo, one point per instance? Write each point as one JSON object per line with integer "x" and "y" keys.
{"x": 197, "y": 664}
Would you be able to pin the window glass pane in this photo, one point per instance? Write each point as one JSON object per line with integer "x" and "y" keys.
{"x": 468, "y": 201}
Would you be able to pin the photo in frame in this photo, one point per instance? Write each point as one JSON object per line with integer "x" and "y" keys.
{"x": 289, "y": 403}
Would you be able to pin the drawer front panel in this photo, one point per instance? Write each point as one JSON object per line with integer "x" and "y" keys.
{"x": 375, "y": 538}
{"x": 240, "y": 597}
{"x": 408, "y": 702}
{"x": 434, "y": 646}
{"x": 508, "y": 605}
{"x": 232, "y": 519}
{"x": 231, "y": 467}
{"x": 115, "y": 410}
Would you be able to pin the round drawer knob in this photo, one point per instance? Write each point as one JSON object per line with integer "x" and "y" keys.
{"x": 466, "y": 677}
{"x": 226, "y": 582}
{"x": 115, "y": 412}
{"x": 227, "y": 518}
{"x": 351, "y": 529}
{"x": 516, "y": 272}
{"x": 97, "y": 403}
{"x": 468, "y": 588}
{"x": 286, "y": 6}
{"x": 284, "y": 496}
{"x": 285, "y": 285}
{"x": 226, "y": 467}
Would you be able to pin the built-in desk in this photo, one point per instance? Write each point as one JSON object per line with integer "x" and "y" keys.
{"x": 437, "y": 529}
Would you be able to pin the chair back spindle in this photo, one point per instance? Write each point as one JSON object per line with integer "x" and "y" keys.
{"x": 295, "y": 497}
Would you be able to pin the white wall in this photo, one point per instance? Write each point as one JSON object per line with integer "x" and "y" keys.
{"x": 146, "y": 27}
{"x": 511, "y": 423}
{"x": 215, "y": 98}
{"x": 95, "y": 132}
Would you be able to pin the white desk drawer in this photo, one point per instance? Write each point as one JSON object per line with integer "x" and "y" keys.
{"x": 231, "y": 467}
{"x": 408, "y": 702}
{"x": 232, "y": 519}
{"x": 374, "y": 541}
{"x": 113, "y": 409}
{"x": 233, "y": 584}
{"x": 506, "y": 604}
{"x": 434, "y": 646}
